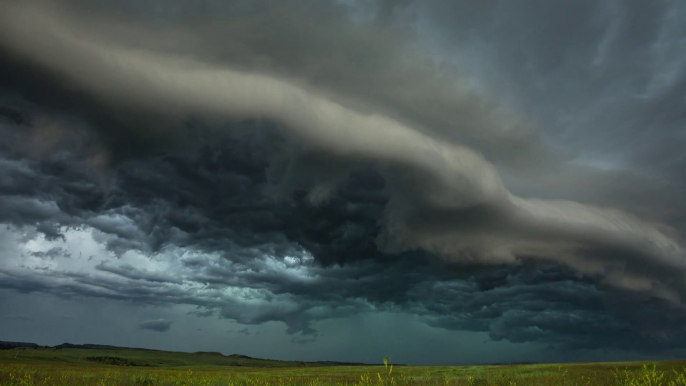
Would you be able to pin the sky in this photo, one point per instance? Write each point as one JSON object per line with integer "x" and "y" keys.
{"x": 439, "y": 182}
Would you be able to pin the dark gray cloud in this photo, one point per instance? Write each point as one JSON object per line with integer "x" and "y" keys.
{"x": 602, "y": 83}
{"x": 265, "y": 180}
{"x": 159, "y": 325}
{"x": 243, "y": 331}
{"x": 290, "y": 261}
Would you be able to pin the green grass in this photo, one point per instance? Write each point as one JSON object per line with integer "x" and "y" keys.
{"x": 126, "y": 367}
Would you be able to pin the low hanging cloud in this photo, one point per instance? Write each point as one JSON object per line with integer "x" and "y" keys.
{"x": 446, "y": 177}
{"x": 201, "y": 230}
{"x": 314, "y": 178}
{"x": 159, "y": 325}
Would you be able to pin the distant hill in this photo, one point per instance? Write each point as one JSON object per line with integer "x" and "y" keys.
{"x": 210, "y": 353}
{"x": 9, "y": 345}
{"x": 98, "y": 347}
{"x": 99, "y": 354}
{"x": 240, "y": 356}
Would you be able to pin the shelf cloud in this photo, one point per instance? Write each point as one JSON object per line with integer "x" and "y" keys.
{"x": 302, "y": 164}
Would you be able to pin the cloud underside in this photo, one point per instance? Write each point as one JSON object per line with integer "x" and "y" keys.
{"x": 159, "y": 325}
{"x": 272, "y": 200}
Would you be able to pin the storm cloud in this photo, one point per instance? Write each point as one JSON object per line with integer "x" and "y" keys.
{"x": 159, "y": 325}
{"x": 262, "y": 179}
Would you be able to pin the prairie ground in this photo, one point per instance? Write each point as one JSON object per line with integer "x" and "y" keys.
{"x": 142, "y": 367}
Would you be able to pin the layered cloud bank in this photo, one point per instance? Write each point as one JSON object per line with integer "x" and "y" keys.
{"x": 300, "y": 173}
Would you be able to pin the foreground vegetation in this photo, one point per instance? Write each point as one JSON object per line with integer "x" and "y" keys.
{"x": 134, "y": 367}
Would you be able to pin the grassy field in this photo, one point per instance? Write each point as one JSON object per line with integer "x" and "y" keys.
{"x": 142, "y": 367}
